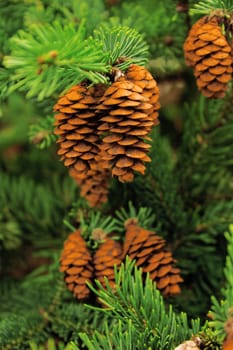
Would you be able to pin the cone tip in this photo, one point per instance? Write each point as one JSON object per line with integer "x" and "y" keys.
{"x": 131, "y": 221}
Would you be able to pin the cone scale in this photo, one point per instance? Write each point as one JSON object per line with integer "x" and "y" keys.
{"x": 104, "y": 130}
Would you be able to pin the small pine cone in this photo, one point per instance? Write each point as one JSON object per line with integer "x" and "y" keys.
{"x": 75, "y": 263}
{"x": 94, "y": 184}
{"x": 148, "y": 250}
{"x": 76, "y": 124}
{"x": 142, "y": 77}
{"x": 125, "y": 126}
{"x": 108, "y": 254}
{"x": 210, "y": 56}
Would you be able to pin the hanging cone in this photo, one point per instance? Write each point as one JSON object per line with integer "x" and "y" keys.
{"x": 125, "y": 126}
{"x": 94, "y": 184}
{"x": 76, "y": 125}
{"x": 141, "y": 77}
{"x": 148, "y": 250}
{"x": 75, "y": 263}
{"x": 210, "y": 56}
{"x": 108, "y": 254}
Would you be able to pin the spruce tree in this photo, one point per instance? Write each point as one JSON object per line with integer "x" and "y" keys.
{"x": 116, "y": 174}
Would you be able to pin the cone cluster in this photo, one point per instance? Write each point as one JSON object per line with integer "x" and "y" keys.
{"x": 107, "y": 127}
{"x": 207, "y": 50}
{"x": 76, "y": 264}
{"x": 148, "y": 250}
{"x": 80, "y": 266}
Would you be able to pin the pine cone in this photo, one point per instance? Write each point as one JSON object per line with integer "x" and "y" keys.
{"x": 76, "y": 125}
{"x": 75, "y": 263}
{"x": 125, "y": 126}
{"x": 210, "y": 54}
{"x": 148, "y": 250}
{"x": 94, "y": 184}
{"x": 141, "y": 77}
{"x": 106, "y": 256}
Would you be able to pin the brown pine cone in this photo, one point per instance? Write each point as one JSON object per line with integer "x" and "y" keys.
{"x": 94, "y": 184}
{"x": 76, "y": 124}
{"x": 210, "y": 56}
{"x": 76, "y": 264}
{"x": 108, "y": 254}
{"x": 142, "y": 77}
{"x": 148, "y": 250}
{"x": 125, "y": 126}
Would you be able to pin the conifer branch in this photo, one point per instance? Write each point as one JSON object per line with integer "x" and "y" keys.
{"x": 144, "y": 216}
{"x": 124, "y": 45}
{"x": 47, "y": 47}
{"x": 52, "y": 57}
{"x": 140, "y": 306}
{"x": 10, "y": 232}
{"x": 23, "y": 198}
{"x": 94, "y": 226}
{"x": 209, "y": 6}
{"x": 5, "y": 84}
{"x": 42, "y": 133}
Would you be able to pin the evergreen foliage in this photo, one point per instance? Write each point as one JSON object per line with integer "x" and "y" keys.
{"x": 143, "y": 321}
{"x": 185, "y": 196}
{"x": 41, "y": 134}
{"x": 47, "y": 59}
{"x": 21, "y": 197}
{"x": 205, "y": 7}
{"x": 123, "y": 42}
